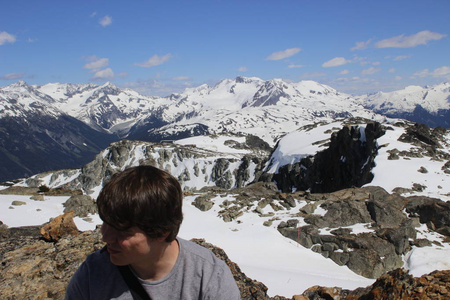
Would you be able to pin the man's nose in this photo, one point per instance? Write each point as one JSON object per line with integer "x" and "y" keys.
{"x": 109, "y": 234}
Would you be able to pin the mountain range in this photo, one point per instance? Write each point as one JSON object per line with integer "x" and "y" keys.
{"x": 56, "y": 126}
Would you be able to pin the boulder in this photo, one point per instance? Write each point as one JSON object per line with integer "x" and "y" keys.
{"x": 81, "y": 205}
{"x": 59, "y": 227}
{"x": 431, "y": 211}
{"x": 203, "y": 202}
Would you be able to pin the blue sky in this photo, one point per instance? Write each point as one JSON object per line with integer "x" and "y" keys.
{"x": 160, "y": 47}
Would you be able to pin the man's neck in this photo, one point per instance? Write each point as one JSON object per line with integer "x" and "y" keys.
{"x": 160, "y": 263}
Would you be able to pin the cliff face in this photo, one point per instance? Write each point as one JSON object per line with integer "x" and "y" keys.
{"x": 32, "y": 268}
{"x": 347, "y": 162}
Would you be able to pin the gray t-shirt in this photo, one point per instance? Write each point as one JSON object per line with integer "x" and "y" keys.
{"x": 197, "y": 274}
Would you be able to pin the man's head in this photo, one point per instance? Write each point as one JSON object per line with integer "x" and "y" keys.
{"x": 143, "y": 196}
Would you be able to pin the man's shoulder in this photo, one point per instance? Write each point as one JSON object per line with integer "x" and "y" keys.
{"x": 199, "y": 252}
{"x": 217, "y": 276}
{"x": 99, "y": 260}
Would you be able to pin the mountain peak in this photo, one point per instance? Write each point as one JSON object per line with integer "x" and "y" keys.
{"x": 243, "y": 79}
{"x": 108, "y": 84}
{"x": 20, "y": 84}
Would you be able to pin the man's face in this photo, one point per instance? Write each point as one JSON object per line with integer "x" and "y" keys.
{"x": 127, "y": 247}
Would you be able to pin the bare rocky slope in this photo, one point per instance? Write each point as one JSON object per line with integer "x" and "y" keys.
{"x": 37, "y": 263}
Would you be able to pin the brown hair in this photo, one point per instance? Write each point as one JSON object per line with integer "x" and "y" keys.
{"x": 143, "y": 196}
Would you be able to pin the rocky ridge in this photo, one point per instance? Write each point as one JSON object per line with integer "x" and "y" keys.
{"x": 188, "y": 163}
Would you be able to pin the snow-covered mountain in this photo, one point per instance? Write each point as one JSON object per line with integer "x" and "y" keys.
{"x": 20, "y": 100}
{"x": 233, "y": 105}
{"x": 267, "y": 109}
{"x": 36, "y": 136}
{"x": 104, "y": 107}
{"x": 429, "y": 105}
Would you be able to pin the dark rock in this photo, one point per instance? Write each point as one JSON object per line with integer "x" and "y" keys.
{"x": 365, "y": 262}
{"x": 345, "y": 213}
{"x": 431, "y": 210}
{"x": 221, "y": 175}
{"x": 387, "y": 211}
{"x": 81, "y": 205}
{"x": 400, "y": 238}
{"x": 346, "y": 163}
{"x": 204, "y": 202}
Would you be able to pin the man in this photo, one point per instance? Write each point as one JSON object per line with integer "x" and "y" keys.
{"x": 141, "y": 209}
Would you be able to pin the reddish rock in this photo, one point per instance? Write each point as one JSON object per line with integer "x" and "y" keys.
{"x": 58, "y": 227}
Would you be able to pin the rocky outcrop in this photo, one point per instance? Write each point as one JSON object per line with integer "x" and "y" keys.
{"x": 81, "y": 205}
{"x": 197, "y": 165}
{"x": 42, "y": 270}
{"x": 433, "y": 212}
{"x": 366, "y": 229}
{"x": 397, "y": 284}
{"x": 347, "y": 162}
{"x": 389, "y": 233}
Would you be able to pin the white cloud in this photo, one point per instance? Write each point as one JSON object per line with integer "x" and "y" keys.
{"x": 283, "y": 54}
{"x": 6, "y": 38}
{"x": 401, "y": 57}
{"x": 181, "y": 78}
{"x": 344, "y": 72}
{"x": 370, "y": 71}
{"x": 402, "y": 41}
{"x": 391, "y": 70}
{"x": 361, "y": 45}
{"x": 105, "y": 21}
{"x": 12, "y": 76}
{"x": 292, "y": 66}
{"x": 422, "y": 73}
{"x": 242, "y": 69}
{"x": 155, "y": 60}
{"x": 398, "y": 77}
{"x": 96, "y": 64}
{"x": 335, "y": 62}
{"x": 103, "y": 74}
{"x": 443, "y": 71}
{"x": 93, "y": 14}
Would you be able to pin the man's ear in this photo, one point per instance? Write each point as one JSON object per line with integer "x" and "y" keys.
{"x": 163, "y": 237}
